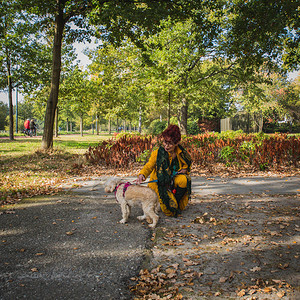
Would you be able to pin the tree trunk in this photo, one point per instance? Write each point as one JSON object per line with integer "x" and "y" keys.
{"x": 183, "y": 116}
{"x": 67, "y": 125}
{"x": 56, "y": 122}
{"x": 169, "y": 107}
{"x": 11, "y": 110}
{"x": 81, "y": 126}
{"x": 140, "y": 120}
{"x": 47, "y": 141}
{"x": 260, "y": 122}
{"x": 17, "y": 116}
{"x": 97, "y": 124}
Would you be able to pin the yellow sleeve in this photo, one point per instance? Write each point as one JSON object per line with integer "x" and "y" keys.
{"x": 184, "y": 165}
{"x": 150, "y": 165}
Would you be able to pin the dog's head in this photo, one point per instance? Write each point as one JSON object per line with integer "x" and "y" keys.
{"x": 111, "y": 184}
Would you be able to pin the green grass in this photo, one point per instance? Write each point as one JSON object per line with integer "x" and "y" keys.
{"x": 26, "y": 170}
{"x": 70, "y": 143}
{"x": 77, "y": 143}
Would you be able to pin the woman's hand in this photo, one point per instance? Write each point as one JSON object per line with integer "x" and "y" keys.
{"x": 140, "y": 179}
{"x": 182, "y": 171}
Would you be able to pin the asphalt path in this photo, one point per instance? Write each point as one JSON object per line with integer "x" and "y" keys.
{"x": 71, "y": 246}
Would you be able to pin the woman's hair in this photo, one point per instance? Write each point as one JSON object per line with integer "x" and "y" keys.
{"x": 173, "y": 133}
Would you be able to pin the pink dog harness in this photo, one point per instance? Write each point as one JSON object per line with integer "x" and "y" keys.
{"x": 126, "y": 185}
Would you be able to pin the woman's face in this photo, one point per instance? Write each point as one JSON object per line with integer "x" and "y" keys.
{"x": 168, "y": 145}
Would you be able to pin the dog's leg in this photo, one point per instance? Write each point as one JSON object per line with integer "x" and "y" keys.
{"x": 154, "y": 218}
{"x": 141, "y": 218}
{"x": 149, "y": 212}
{"x": 157, "y": 207}
{"x": 125, "y": 212}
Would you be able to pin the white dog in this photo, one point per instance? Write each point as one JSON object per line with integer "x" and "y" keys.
{"x": 128, "y": 194}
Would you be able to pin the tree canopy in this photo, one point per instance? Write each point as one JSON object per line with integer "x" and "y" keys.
{"x": 188, "y": 54}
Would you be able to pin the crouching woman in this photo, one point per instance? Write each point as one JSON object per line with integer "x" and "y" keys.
{"x": 169, "y": 166}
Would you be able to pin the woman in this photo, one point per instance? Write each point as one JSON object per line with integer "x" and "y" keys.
{"x": 169, "y": 167}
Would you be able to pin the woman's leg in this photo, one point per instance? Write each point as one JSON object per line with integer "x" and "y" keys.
{"x": 181, "y": 195}
{"x": 172, "y": 203}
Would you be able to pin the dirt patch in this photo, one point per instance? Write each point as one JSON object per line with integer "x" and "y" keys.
{"x": 226, "y": 247}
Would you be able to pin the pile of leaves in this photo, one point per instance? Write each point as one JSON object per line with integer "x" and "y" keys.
{"x": 239, "y": 150}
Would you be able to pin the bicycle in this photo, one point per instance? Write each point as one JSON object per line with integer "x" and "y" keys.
{"x": 27, "y": 132}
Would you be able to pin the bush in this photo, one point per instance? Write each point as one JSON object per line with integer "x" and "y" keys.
{"x": 259, "y": 151}
{"x": 157, "y": 127}
{"x": 227, "y": 154}
{"x": 192, "y": 127}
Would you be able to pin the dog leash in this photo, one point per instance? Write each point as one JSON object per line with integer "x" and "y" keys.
{"x": 173, "y": 175}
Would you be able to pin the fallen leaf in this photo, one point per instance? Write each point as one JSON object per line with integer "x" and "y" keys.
{"x": 255, "y": 269}
{"x": 241, "y": 293}
{"x": 223, "y": 279}
{"x": 267, "y": 289}
{"x": 283, "y": 267}
{"x": 280, "y": 294}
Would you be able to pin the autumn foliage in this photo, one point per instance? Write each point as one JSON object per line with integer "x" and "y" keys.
{"x": 258, "y": 151}
{"x": 120, "y": 152}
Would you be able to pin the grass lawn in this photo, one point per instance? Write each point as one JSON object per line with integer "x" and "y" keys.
{"x": 27, "y": 171}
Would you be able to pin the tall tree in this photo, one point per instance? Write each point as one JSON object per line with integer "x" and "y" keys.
{"x": 3, "y": 114}
{"x": 76, "y": 95}
{"x": 114, "y": 20}
{"x": 62, "y": 14}
{"x": 23, "y": 58}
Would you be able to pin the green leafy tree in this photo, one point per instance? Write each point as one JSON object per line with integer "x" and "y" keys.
{"x": 24, "y": 59}
{"x": 185, "y": 73}
{"x": 264, "y": 32}
{"x": 76, "y": 95}
{"x": 292, "y": 105}
{"x": 223, "y": 28}
{"x": 4, "y": 111}
{"x": 115, "y": 19}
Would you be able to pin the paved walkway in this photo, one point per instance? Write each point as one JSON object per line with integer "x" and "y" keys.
{"x": 255, "y": 185}
{"x": 218, "y": 185}
{"x": 71, "y": 246}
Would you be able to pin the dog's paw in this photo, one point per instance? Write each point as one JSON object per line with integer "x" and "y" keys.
{"x": 149, "y": 220}
{"x": 152, "y": 225}
{"x": 123, "y": 221}
{"x": 141, "y": 218}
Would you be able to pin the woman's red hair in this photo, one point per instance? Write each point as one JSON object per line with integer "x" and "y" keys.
{"x": 173, "y": 133}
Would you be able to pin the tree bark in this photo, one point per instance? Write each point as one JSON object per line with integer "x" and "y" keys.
{"x": 140, "y": 120}
{"x": 183, "y": 114}
{"x": 81, "y": 126}
{"x": 47, "y": 141}
{"x": 97, "y": 124}
{"x": 11, "y": 110}
{"x": 56, "y": 122}
{"x": 169, "y": 107}
{"x": 109, "y": 126}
